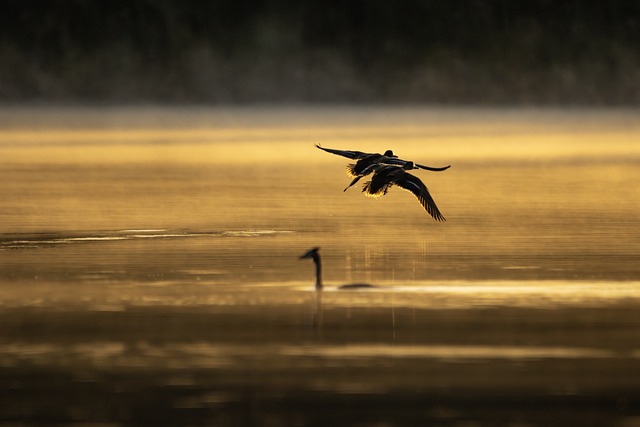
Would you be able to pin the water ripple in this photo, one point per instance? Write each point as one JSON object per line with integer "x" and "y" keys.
{"x": 37, "y": 240}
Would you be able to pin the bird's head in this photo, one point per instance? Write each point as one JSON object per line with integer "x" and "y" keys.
{"x": 311, "y": 253}
{"x": 389, "y": 153}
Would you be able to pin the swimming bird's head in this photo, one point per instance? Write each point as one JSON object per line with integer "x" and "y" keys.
{"x": 311, "y": 253}
{"x": 389, "y": 153}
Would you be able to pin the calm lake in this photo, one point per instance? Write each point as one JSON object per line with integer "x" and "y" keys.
{"x": 150, "y": 271}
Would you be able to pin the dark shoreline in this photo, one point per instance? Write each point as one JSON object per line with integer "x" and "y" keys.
{"x": 489, "y": 52}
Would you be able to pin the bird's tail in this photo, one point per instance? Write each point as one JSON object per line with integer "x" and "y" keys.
{"x": 430, "y": 168}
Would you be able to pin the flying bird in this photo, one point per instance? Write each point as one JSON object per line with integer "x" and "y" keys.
{"x": 386, "y": 176}
{"x": 368, "y": 162}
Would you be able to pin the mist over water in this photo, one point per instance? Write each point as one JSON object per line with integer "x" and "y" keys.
{"x": 156, "y": 250}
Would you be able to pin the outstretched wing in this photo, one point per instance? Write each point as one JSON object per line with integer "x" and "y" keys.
{"x": 413, "y": 184}
{"x": 344, "y": 153}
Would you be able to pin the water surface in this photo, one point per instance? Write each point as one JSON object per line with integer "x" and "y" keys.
{"x": 148, "y": 259}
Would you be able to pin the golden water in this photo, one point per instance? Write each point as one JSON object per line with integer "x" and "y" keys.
{"x": 164, "y": 242}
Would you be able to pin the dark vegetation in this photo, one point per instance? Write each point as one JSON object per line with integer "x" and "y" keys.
{"x": 239, "y": 51}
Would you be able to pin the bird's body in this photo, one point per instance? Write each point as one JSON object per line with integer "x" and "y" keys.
{"x": 386, "y": 176}
{"x": 315, "y": 255}
{"x": 363, "y": 165}
{"x": 367, "y": 162}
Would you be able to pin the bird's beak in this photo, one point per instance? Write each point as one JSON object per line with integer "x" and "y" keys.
{"x": 309, "y": 254}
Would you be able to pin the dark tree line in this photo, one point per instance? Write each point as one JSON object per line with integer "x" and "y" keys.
{"x": 320, "y": 50}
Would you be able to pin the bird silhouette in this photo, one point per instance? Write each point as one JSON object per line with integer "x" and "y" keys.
{"x": 386, "y": 176}
{"x": 315, "y": 255}
{"x": 367, "y": 162}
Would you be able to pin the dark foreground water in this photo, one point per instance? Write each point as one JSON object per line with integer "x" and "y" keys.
{"x": 149, "y": 271}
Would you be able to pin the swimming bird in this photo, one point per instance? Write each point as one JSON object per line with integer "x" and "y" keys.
{"x": 386, "y": 176}
{"x": 315, "y": 255}
{"x": 367, "y": 162}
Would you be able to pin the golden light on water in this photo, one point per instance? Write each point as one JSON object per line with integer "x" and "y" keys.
{"x": 524, "y": 188}
{"x": 164, "y": 244}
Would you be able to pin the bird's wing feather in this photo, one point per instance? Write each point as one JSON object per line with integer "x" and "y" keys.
{"x": 417, "y": 187}
{"x": 351, "y": 154}
{"x": 351, "y": 170}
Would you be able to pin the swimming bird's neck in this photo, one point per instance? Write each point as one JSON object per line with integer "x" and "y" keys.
{"x": 316, "y": 260}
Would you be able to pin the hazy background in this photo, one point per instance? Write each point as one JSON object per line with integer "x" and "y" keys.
{"x": 240, "y": 51}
